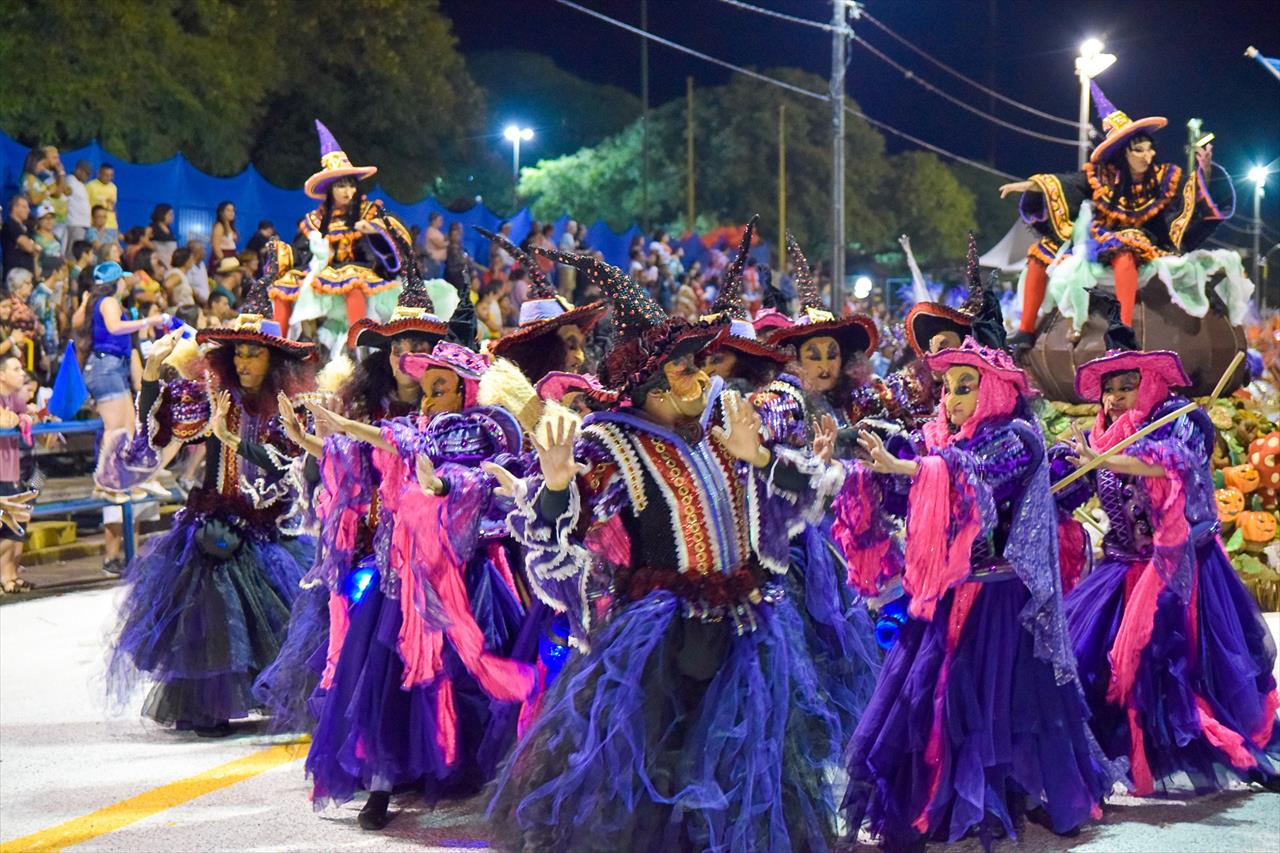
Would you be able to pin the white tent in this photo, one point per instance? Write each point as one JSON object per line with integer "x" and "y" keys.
{"x": 1010, "y": 254}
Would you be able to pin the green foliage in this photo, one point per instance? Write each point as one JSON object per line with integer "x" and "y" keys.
{"x": 925, "y": 200}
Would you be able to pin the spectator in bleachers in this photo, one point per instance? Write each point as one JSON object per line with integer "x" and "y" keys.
{"x": 103, "y": 192}
{"x": 13, "y": 412}
{"x": 81, "y": 262}
{"x": 198, "y": 274}
{"x": 101, "y": 232}
{"x": 19, "y": 250}
{"x": 177, "y": 281}
{"x": 435, "y": 246}
{"x": 44, "y": 181}
{"x": 78, "y": 207}
{"x": 249, "y": 265}
{"x": 229, "y": 275}
{"x": 260, "y": 238}
{"x": 223, "y": 236}
{"x": 221, "y": 307}
{"x": 160, "y": 232}
{"x": 49, "y": 243}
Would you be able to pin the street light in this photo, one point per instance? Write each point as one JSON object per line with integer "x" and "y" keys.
{"x": 515, "y": 135}
{"x": 1089, "y": 64}
{"x": 1258, "y": 174}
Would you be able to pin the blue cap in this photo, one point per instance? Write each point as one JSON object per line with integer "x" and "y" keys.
{"x": 107, "y": 272}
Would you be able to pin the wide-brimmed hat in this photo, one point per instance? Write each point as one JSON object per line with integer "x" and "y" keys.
{"x": 415, "y": 312}
{"x": 254, "y": 324}
{"x": 334, "y": 164}
{"x": 1117, "y": 126}
{"x": 646, "y": 338}
{"x": 983, "y": 359}
{"x": 740, "y": 337}
{"x": 543, "y": 311}
{"x": 231, "y": 264}
{"x": 466, "y": 363}
{"x": 855, "y": 333}
{"x": 556, "y": 384}
{"x": 979, "y": 316}
{"x": 1161, "y": 363}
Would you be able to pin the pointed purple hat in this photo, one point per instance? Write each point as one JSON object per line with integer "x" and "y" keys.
{"x": 334, "y": 164}
{"x": 1117, "y": 126}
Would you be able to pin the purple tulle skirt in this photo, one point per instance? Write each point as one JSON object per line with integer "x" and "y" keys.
{"x": 1232, "y": 671}
{"x": 372, "y": 734}
{"x": 286, "y": 688}
{"x": 203, "y": 626}
{"x": 674, "y": 734}
{"x": 838, "y": 631}
{"x": 1012, "y": 738}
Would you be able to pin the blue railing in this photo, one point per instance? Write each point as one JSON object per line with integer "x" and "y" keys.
{"x": 88, "y": 504}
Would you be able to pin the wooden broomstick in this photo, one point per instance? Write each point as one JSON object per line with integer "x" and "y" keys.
{"x": 1149, "y": 428}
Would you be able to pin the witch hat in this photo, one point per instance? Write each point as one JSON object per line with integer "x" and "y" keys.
{"x": 334, "y": 164}
{"x": 1117, "y": 126}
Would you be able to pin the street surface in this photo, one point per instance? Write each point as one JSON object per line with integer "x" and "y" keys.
{"x": 76, "y": 774}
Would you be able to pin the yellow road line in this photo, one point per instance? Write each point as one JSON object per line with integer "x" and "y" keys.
{"x": 81, "y": 829}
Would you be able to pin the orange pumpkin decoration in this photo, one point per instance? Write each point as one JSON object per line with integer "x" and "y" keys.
{"x": 1230, "y": 504}
{"x": 1245, "y": 478}
{"x": 1257, "y": 528}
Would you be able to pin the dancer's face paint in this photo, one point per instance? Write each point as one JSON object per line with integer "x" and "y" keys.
{"x": 1119, "y": 394}
{"x": 251, "y": 363}
{"x": 962, "y": 393}
{"x": 574, "y": 355}
{"x": 721, "y": 363}
{"x": 819, "y": 364}
{"x": 944, "y": 340}
{"x": 441, "y": 391}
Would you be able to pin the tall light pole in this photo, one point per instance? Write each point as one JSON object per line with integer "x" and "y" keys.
{"x": 839, "y": 41}
{"x": 515, "y": 135}
{"x": 1258, "y": 174}
{"x": 1089, "y": 64}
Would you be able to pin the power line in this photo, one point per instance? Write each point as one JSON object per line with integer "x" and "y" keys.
{"x": 913, "y": 77}
{"x": 760, "y": 10}
{"x": 974, "y": 83}
{"x": 799, "y": 90}
{"x": 977, "y": 164}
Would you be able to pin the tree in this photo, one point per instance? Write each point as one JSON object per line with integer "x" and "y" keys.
{"x": 146, "y": 80}
{"x": 927, "y": 202}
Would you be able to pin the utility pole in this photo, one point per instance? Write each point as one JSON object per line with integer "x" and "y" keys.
{"x": 782, "y": 186}
{"x": 689, "y": 185}
{"x": 644, "y": 118}
{"x": 839, "y": 41}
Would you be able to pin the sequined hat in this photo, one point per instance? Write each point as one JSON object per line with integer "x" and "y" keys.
{"x": 855, "y": 333}
{"x": 984, "y": 360}
{"x": 979, "y": 316}
{"x": 254, "y": 324}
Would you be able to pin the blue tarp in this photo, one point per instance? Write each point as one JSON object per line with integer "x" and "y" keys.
{"x": 195, "y": 195}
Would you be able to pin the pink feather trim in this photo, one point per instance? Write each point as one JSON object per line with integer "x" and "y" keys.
{"x": 934, "y": 564}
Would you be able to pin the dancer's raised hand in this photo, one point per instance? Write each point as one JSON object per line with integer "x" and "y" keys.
{"x": 555, "y": 451}
{"x": 741, "y": 433}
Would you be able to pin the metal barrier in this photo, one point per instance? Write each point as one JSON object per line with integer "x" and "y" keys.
{"x": 89, "y": 504}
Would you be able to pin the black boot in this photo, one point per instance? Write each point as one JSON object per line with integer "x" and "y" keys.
{"x": 1021, "y": 341}
{"x": 221, "y": 729}
{"x": 374, "y": 814}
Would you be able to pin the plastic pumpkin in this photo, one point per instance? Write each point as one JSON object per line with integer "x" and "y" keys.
{"x": 1243, "y": 477}
{"x": 1230, "y": 504}
{"x": 1258, "y": 529}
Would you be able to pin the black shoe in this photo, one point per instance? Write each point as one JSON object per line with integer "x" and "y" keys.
{"x": 1021, "y": 341}
{"x": 374, "y": 814}
{"x": 113, "y": 567}
{"x": 222, "y": 729}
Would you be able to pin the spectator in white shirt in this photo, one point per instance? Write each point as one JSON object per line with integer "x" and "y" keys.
{"x": 78, "y": 210}
{"x": 198, "y": 273}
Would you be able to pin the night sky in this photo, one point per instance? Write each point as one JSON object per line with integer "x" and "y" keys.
{"x": 1175, "y": 58}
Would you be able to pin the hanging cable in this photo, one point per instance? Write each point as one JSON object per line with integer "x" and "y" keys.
{"x": 914, "y": 78}
{"x": 799, "y": 90}
{"x": 974, "y": 83}
{"x": 782, "y": 16}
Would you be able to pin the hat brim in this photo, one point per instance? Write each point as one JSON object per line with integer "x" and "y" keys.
{"x": 856, "y": 333}
{"x": 929, "y": 319}
{"x": 748, "y": 347}
{"x": 369, "y": 333}
{"x": 555, "y": 385}
{"x": 416, "y": 364}
{"x": 1166, "y": 364}
{"x": 1107, "y": 147}
{"x": 943, "y": 359}
{"x": 318, "y": 184}
{"x": 293, "y": 349}
{"x": 584, "y": 317}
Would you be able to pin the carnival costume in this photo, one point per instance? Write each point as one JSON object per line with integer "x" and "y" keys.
{"x": 342, "y": 274}
{"x": 838, "y": 631}
{"x": 421, "y": 689}
{"x": 693, "y": 718}
{"x": 347, "y": 517}
{"x": 1174, "y": 655}
{"x": 978, "y": 717}
{"x": 207, "y": 603}
{"x": 1168, "y": 214}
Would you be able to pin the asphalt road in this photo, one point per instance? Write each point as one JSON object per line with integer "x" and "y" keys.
{"x": 76, "y": 773}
